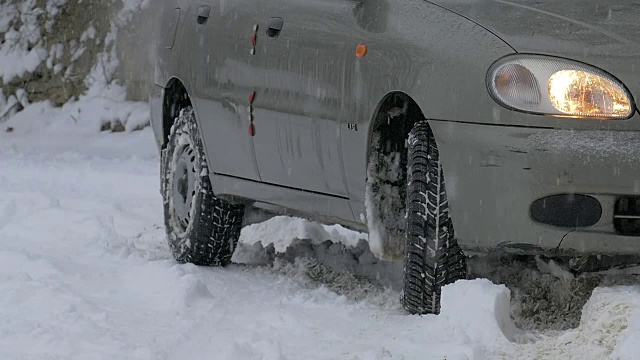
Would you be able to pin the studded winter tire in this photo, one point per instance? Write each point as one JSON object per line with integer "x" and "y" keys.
{"x": 202, "y": 229}
{"x": 432, "y": 257}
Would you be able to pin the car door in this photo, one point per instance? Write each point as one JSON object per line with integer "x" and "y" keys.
{"x": 223, "y": 76}
{"x": 299, "y": 107}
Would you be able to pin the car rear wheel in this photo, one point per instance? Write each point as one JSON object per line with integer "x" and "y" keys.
{"x": 202, "y": 229}
{"x": 432, "y": 256}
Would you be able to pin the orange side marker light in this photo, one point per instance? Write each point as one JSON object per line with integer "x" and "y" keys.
{"x": 361, "y": 51}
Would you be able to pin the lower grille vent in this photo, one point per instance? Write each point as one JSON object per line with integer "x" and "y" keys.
{"x": 626, "y": 218}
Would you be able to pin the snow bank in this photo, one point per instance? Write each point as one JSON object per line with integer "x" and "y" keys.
{"x": 58, "y": 52}
{"x": 98, "y": 110}
{"x": 21, "y": 50}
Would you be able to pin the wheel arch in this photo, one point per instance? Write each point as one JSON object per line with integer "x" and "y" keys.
{"x": 386, "y": 172}
{"x": 174, "y": 100}
{"x": 396, "y": 111}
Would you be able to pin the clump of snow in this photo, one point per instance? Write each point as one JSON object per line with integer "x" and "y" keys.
{"x": 490, "y": 306}
{"x": 21, "y": 49}
{"x": 359, "y": 290}
{"x": 553, "y": 268}
{"x": 385, "y": 203}
{"x": 376, "y": 229}
{"x": 8, "y": 106}
{"x": 282, "y": 231}
{"x": 346, "y": 252}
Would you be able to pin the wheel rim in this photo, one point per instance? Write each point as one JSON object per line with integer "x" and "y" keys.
{"x": 183, "y": 186}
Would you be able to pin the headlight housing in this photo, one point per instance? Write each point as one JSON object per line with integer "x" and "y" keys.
{"x": 558, "y": 87}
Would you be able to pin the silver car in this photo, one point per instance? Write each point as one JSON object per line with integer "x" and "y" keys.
{"x": 442, "y": 128}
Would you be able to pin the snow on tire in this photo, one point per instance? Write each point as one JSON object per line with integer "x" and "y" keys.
{"x": 432, "y": 256}
{"x": 202, "y": 229}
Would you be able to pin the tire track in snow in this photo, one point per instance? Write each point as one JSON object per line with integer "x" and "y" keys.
{"x": 7, "y": 214}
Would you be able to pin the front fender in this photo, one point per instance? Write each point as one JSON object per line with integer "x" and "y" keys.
{"x": 437, "y": 58}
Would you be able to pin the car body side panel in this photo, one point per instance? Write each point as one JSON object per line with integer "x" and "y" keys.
{"x": 298, "y": 105}
{"x": 222, "y": 78}
{"x": 496, "y": 161}
{"x": 435, "y": 56}
{"x": 156, "y": 97}
{"x": 166, "y": 60}
{"x": 288, "y": 201}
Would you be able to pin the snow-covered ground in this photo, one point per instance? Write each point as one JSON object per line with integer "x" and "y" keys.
{"x": 85, "y": 274}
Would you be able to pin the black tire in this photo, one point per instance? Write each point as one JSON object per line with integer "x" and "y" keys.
{"x": 201, "y": 228}
{"x": 432, "y": 256}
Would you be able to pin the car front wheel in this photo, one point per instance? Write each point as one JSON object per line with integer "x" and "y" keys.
{"x": 432, "y": 256}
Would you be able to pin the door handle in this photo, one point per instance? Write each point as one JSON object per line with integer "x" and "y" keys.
{"x": 275, "y": 27}
{"x": 203, "y": 14}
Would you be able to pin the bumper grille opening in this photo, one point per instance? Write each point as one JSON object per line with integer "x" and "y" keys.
{"x": 626, "y": 218}
{"x": 568, "y": 211}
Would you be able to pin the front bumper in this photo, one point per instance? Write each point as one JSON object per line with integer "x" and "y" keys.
{"x": 495, "y": 173}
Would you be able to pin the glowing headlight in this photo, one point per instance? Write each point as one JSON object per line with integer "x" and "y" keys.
{"x": 552, "y": 86}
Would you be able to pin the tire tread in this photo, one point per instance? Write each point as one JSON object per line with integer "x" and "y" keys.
{"x": 217, "y": 223}
{"x": 433, "y": 259}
